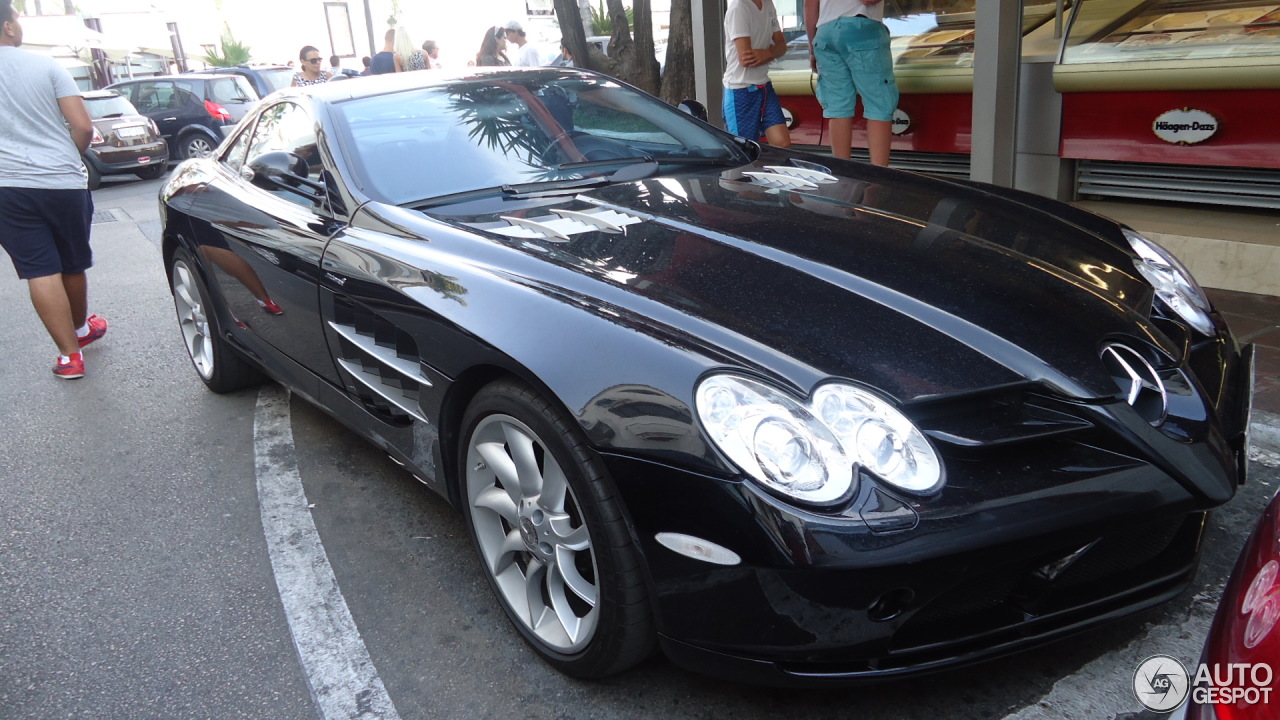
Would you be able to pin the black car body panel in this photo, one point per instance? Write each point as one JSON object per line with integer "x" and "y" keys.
{"x": 980, "y": 313}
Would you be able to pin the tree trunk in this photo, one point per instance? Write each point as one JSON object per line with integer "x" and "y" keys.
{"x": 677, "y": 75}
{"x": 646, "y": 65}
{"x": 69, "y": 7}
{"x": 575, "y": 38}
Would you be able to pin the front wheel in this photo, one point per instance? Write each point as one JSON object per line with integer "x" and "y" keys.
{"x": 552, "y": 538}
{"x": 218, "y": 364}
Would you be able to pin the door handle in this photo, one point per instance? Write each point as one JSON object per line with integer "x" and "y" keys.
{"x": 168, "y": 119}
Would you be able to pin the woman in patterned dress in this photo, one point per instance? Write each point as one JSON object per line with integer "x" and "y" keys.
{"x": 408, "y": 55}
{"x": 310, "y": 73}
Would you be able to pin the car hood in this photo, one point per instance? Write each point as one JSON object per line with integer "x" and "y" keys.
{"x": 916, "y": 286}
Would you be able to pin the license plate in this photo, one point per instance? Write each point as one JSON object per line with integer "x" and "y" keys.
{"x": 132, "y": 131}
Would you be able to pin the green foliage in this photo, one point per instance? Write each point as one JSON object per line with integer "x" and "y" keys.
{"x": 602, "y": 24}
{"x": 233, "y": 52}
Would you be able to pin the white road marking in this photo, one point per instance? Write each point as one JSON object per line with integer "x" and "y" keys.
{"x": 343, "y": 681}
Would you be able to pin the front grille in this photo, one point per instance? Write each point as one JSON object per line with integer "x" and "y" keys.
{"x": 1007, "y": 597}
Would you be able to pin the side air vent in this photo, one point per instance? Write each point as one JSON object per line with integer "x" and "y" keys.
{"x": 778, "y": 180}
{"x": 561, "y": 225}
{"x": 382, "y": 363}
{"x": 820, "y": 177}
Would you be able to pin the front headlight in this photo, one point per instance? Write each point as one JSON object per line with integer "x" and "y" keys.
{"x": 809, "y": 452}
{"x": 1173, "y": 283}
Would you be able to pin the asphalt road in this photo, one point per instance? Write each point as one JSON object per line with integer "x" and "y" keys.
{"x": 137, "y": 580}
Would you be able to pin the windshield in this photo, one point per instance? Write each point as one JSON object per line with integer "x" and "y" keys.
{"x": 108, "y": 107}
{"x": 518, "y": 128}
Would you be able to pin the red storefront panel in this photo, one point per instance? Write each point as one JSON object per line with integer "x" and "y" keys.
{"x": 939, "y": 122}
{"x": 1118, "y": 126}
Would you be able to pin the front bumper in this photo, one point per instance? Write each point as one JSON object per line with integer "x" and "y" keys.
{"x": 1028, "y": 541}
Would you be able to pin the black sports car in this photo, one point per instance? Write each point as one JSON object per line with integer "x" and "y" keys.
{"x": 793, "y": 419}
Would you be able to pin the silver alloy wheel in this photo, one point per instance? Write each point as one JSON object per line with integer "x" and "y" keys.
{"x": 198, "y": 146}
{"x": 532, "y": 536}
{"x": 192, "y": 319}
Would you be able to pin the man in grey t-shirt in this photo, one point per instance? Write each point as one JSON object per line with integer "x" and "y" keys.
{"x": 45, "y": 207}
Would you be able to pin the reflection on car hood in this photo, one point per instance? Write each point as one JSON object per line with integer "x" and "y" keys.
{"x": 915, "y": 286}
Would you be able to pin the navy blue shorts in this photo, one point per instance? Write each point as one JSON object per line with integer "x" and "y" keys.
{"x": 46, "y": 232}
{"x": 751, "y": 110}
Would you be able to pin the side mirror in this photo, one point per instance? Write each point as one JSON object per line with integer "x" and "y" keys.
{"x": 279, "y": 170}
{"x": 694, "y": 108}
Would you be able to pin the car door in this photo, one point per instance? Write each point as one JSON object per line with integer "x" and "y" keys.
{"x": 161, "y": 101}
{"x": 263, "y": 246}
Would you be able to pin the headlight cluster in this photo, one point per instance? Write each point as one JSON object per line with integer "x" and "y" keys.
{"x": 809, "y": 452}
{"x": 1173, "y": 283}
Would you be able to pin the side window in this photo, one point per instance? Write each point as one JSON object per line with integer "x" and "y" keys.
{"x": 237, "y": 155}
{"x": 184, "y": 94}
{"x": 288, "y": 128}
{"x": 153, "y": 96}
{"x": 127, "y": 92}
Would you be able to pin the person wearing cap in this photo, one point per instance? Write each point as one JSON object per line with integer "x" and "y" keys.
{"x": 526, "y": 55}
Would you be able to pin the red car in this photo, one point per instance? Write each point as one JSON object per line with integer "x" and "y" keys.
{"x": 1236, "y": 678}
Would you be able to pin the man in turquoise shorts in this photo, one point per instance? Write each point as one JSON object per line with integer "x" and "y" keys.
{"x": 849, "y": 49}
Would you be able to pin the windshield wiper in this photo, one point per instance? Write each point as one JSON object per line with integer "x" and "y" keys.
{"x": 545, "y": 188}
{"x": 606, "y": 161}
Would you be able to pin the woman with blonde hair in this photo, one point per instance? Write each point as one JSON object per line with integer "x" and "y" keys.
{"x": 408, "y": 55}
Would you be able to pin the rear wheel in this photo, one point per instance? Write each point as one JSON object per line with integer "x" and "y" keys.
{"x": 551, "y": 535}
{"x": 196, "y": 145}
{"x": 218, "y": 364}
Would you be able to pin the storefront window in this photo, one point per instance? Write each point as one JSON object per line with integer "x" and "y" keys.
{"x": 1109, "y": 31}
{"x": 925, "y": 33}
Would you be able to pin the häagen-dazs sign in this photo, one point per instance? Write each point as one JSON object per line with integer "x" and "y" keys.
{"x": 1185, "y": 126}
{"x": 901, "y": 122}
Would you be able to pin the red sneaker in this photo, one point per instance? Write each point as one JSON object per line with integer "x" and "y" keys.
{"x": 97, "y": 328}
{"x": 271, "y": 307}
{"x": 71, "y": 369}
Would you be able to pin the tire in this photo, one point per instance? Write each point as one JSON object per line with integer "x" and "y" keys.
{"x": 219, "y": 365}
{"x": 152, "y": 172}
{"x": 95, "y": 177}
{"x": 552, "y": 538}
{"x": 196, "y": 144}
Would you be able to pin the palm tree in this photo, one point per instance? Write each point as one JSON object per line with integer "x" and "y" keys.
{"x": 233, "y": 51}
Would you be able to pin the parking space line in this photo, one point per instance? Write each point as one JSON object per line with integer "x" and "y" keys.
{"x": 343, "y": 681}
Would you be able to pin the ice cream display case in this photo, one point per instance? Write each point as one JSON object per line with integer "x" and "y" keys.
{"x": 932, "y": 42}
{"x": 1173, "y": 82}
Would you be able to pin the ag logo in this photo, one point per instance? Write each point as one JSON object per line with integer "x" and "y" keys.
{"x": 1161, "y": 683}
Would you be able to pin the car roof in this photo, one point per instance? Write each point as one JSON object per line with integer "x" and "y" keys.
{"x": 99, "y": 94}
{"x": 234, "y": 70}
{"x": 183, "y": 76}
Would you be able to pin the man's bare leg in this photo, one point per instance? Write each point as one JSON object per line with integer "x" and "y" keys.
{"x": 841, "y": 136}
{"x": 49, "y": 296}
{"x": 879, "y": 135}
{"x": 77, "y": 287}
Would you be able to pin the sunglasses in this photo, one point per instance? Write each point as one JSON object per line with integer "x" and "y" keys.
{"x": 313, "y": 60}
